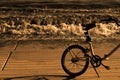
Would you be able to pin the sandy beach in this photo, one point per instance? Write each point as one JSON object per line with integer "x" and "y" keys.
{"x": 39, "y": 61}
{"x": 47, "y": 27}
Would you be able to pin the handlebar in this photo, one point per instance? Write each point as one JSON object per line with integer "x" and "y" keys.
{"x": 110, "y": 19}
{"x": 88, "y": 26}
{"x": 93, "y": 24}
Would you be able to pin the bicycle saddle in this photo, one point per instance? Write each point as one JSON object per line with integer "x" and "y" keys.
{"x": 88, "y": 26}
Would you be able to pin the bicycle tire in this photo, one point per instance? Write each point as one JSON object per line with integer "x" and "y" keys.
{"x": 85, "y": 58}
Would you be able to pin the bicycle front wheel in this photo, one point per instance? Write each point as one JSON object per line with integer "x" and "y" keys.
{"x": 74, "y": 60}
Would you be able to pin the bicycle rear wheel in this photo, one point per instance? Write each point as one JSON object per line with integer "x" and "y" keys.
{"x": 74, "y": 60}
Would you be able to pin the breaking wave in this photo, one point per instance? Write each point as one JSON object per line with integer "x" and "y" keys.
{"x": 64, "y": 31}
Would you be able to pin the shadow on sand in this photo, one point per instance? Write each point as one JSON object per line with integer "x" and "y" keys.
{"x": 40, "y": 77}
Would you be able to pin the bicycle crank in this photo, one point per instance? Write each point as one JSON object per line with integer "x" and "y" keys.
{"x": 106, "y": 67}
{"x": 96, "y": 61}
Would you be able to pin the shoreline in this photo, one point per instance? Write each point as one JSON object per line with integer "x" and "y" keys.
{"x": 56, "y": 43}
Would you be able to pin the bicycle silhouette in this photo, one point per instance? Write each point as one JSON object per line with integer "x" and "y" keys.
{"x": 75, "y": 59}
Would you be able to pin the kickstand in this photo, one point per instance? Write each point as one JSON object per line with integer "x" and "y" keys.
{"x": 8, "y": 57}
{"x": 95, "y": 70}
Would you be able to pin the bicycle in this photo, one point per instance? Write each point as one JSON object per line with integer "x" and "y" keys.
{"x": 81, "y": 58}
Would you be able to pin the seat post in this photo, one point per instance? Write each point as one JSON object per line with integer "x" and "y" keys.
{"x": 87, "y": 35}
{"x": 89, "y": 40}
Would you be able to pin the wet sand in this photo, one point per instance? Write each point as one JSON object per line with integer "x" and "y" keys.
{"x": 37, "y": 61}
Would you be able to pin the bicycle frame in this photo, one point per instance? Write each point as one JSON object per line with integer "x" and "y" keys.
{"x": 89, "y": 41}
{"x": 91, "y": 48}
{"x": 111, "y": 52}
{"x": 96, "y": 60}
{"x": 87, "y": 54}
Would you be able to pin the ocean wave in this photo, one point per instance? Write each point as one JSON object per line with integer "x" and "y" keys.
{"x": 63, "y": 31}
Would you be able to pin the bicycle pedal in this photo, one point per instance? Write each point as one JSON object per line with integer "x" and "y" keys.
{"x": 106, "y": 57}
{"x": 106, "y": 67}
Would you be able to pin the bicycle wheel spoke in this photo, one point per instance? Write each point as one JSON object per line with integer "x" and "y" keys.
{"x": 72, "y": 52}
{"x": 74, "y": 61}
{"x": 82, "y": 58}
{"x": 69, "y": 57}
{"x": 78, "y": 53}
{"x": 75, "y": 67}
{"x": 71, "y": 66}
{"x": 80, "y": 64}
